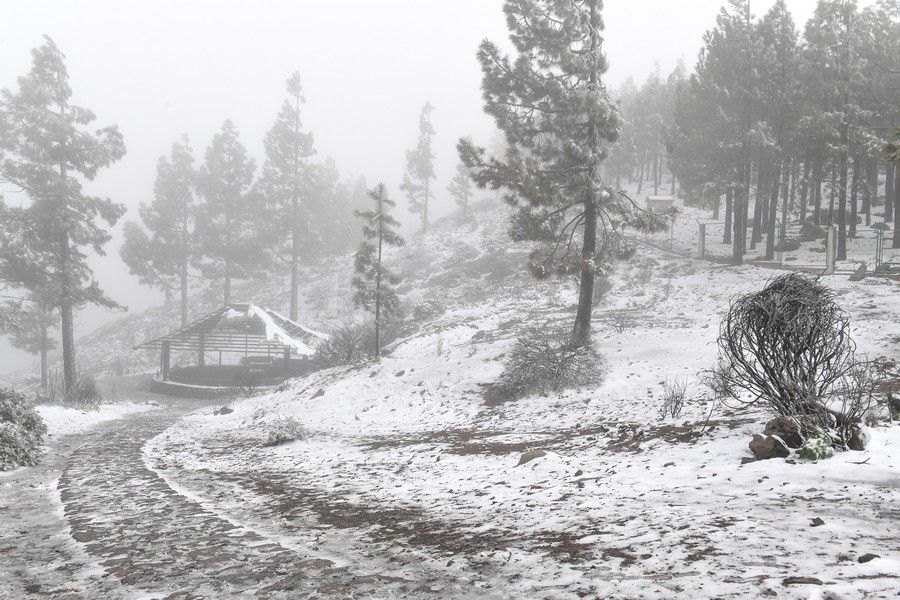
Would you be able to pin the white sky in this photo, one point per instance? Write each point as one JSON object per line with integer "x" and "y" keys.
{"x": 165, "y": 67}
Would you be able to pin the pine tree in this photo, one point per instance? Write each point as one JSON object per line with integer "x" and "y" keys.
{"x": 162, "y": 259}
{"x": 229, "y": 227}
{"x": 551, "y": 103}
{"x": 460, "y": 188}
{"x": 287, "y": 184}
{"x": 49, "y": 151}
{"x": 420, "y": 168}
{"x": 373, "y": 283}
{"x": 31, "y": 334}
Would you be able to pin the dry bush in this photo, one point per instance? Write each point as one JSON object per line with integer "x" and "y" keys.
{"x": 543, "y": 361}
{"x": 84, "y": 395}
{"x": 21, "y": 431}
{"x": 788, "y": 346}
{"x": 349, "y": 344}
{"x": 283, "y": 430}
{"x": 673, "y": 398}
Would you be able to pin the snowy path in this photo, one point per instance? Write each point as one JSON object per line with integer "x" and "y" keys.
{"x": 153, "y": 539}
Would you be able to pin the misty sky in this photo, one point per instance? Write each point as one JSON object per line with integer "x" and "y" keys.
{"x": 165, "y": 67}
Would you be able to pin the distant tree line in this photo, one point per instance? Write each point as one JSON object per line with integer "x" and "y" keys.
{"x": 794, "y": 123}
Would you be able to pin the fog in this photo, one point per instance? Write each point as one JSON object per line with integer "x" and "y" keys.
{"x": 163, "y": 68}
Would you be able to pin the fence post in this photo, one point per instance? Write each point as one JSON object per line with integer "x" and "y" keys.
{"x": 830, "y": 250}
{"x": 701, "y": 250}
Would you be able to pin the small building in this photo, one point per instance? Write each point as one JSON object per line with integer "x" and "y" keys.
{"x": 249, "y": 346}
{"x": 660, "y": 204}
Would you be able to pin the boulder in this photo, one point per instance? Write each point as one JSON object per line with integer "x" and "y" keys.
{"x": 859, "y": 438}
{"x": 530, "y": 455}
{"x": 860, "y": 273}
{"x": 765, "y": 447}
{"x": 786, "y": 429}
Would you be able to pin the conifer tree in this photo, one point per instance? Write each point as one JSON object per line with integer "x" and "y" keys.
{"x": 373, "y": 282}
{"x": 229, "y": 227}
{"x": 420, "y": 168}
{"x": 287, "y": 184}
{"x": 460, "y": 188}
{"x": 162, "y": 259}
{"x": 551, "y": 103}
{"x": 49, "y": 150}
{"x": 32, "y": 333}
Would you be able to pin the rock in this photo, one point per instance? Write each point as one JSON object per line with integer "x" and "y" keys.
{"x": 496, "y": 395}
{"x": 894, "y": 404}
{"x": 319, "y": 393}
{"x": 867, "y": 558}
{"x": 801, "y": 581}
{"x": 859, "y": 438}
{"x": 786, "y": 429}
{"x": 766, "y": 447}
{"x": 817, "y": 522}
{"x": 530, "y": 455}
{"x": 225, "y": 410}
{"x": 860, "y": 273}
{"x": 400, "y": 373}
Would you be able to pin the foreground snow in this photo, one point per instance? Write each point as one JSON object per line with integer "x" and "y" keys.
{"x": 65, "y": 421}
{"x": 405, "y": 469}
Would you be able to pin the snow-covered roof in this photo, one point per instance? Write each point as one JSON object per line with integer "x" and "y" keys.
{"x": 243, "y": 328}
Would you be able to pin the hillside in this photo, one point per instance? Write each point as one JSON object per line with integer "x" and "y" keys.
{"x": 407, "y": 474}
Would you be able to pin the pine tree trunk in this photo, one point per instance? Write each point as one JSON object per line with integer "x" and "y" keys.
{"x": 184, "y": 267}
{"x": 772, "y": 211}
{"x": 44, "y": 377}
{"x": 717, "y": 203}
{"x": 378, "y": 279}
{"x": 760, "y": 202}
{"x": 295, "y": 260}
{"x": 817, "y": 191}
{"x": 854, "y": 196}
{"x": 831, "y": 195}
{"x": 889, "y": 193}
{"x": 66, "y": 305}
{"x": 729, "y": 203}
{"x": 845, "y": 142}
{"x": 786, "y": 203}
{"x": 656, "y": 171}
{"x": 869, "y": 190}
{"x": 804, "y": 191}
{"x": 425, "y": 208}
{"x": 581, "y": 333}
{"x": 641, "y": 178}
{"x": 896, "y": 206}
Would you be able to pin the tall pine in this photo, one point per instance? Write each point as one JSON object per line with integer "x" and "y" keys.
{"x": 163, "y": 258}
{"x": 420, "y": 168}
{"x": 373, "y": 282}
{"x": 552, "y": 105}
{"x": 229, "y": 227}
{"x": 50, "y": 148}
{"x": 287, "y": 182}
{"x": 460, "y": 187}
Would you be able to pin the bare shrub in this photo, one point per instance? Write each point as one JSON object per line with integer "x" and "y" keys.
{"x": 543, "y": 362}
{"x": 789, "y": 347}
{"x": 348, "y": 345}
{"x": 673, "y": 398}
{"x": 21, "y": 431}
{"x": 84, "y": 395}
{"x": 283, "y": 430}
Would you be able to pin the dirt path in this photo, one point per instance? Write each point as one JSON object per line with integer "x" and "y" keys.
{"x": 94, "y": 522}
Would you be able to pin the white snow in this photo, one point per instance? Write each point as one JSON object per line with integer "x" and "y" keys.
{"x": 623, "y": 504}
{"x": 65, "y": 421}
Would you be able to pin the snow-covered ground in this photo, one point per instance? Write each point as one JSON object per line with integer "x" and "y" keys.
{"x": 406, "y": 456}
{"x": 65, "y": 421}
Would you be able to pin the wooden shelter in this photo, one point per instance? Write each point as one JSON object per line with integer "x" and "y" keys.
{"x": 265, "y": 340}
